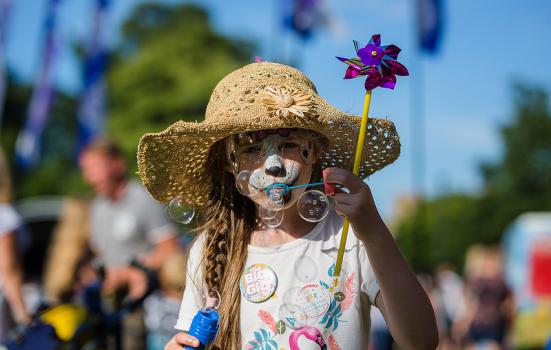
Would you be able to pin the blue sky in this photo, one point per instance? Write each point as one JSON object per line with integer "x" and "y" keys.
{"x": 467, "y": 87}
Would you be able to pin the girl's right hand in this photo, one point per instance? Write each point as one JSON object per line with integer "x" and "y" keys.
{"x": 180, "y": 339}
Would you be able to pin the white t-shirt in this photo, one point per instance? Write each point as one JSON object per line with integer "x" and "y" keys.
{"x": 307, "y": 308}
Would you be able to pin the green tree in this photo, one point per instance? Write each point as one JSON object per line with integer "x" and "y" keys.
{"x": 55, "y": 174}
{"x": 521, "y": 180}
{"x": 444, "y": 227}
{"x": 169, "y": 62}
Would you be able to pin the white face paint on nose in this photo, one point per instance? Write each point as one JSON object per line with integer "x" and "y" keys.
{"x": 274, "y": 169}
{"x": 273, "y": 166}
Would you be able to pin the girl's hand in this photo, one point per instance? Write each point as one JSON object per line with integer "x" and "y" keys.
{"x": 357, "y": 205}
{"x": 181, "y": 339}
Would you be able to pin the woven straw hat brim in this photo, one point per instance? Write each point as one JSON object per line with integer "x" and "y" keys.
{"x": 172, "y": 163}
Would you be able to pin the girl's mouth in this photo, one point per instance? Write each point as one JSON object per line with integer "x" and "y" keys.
{"x": 279, "y": 193}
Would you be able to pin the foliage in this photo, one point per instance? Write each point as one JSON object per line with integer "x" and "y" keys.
{"x": 164, "y": 70}
{"x": 442, "y": 228}
{"x": 56, "y": 173}
{"x": 263, "y": 341}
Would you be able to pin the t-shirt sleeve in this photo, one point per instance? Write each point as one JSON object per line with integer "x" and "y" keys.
{"x": 191, "y": 297}
{"x": 9, "y": 220}
{"x": 369, "y": 283}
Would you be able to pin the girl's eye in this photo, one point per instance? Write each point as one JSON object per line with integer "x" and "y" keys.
{"x": 288, "y": 145}
{"x": 253, "y": 150}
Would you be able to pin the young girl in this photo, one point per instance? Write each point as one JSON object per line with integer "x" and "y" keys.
{"x": 274, "y": 271}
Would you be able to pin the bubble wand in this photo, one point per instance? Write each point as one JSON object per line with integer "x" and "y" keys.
{"x": 380, "y": 66}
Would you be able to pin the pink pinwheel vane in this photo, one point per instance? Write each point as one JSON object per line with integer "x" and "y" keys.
{"x": 378, "y": 63}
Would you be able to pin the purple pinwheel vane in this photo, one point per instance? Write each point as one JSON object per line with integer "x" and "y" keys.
{"x": 378, "y": 63}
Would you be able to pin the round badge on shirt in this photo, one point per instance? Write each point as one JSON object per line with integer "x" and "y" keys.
{"x": 258, "y": 283}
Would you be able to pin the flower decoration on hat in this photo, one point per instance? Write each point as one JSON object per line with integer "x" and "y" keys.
{"x": 378, "y": 63}
{"x": 285, "y": 101}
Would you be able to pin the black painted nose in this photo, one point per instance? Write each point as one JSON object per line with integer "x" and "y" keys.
{"x": 274, "y": 171}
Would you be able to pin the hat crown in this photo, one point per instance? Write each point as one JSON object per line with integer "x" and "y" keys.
{"x": 239, "y": 94}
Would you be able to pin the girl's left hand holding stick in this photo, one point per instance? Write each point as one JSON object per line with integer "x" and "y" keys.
{"x": 402, "y": 300}
{"x": 358, "y": 204}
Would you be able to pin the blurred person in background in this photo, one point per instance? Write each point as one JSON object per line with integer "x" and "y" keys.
{"x": 451, "y": 293}
{"x": 12, "y": 305}
{"x": 126, "y": 223}
{"x": 380, "y": 339}
{"x": 488, "y": 312}
{"x": 161, "y": 307}
{"x": 68, "y": 247}
{"x": 437, "y": 303}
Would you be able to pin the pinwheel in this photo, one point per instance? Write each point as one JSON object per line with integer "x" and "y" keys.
{"x": 378, "y": 63}
{"x": 380, "y": 66}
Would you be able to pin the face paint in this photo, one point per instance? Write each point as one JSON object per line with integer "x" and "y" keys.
{"x": 272, "y": 167}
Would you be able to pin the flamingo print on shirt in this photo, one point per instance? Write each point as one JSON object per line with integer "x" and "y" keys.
{"x": 309, "y": 332}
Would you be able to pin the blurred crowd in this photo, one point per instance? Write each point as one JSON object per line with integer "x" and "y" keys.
{"x": 472, "y": 312}
{"x": 115, "y": 266}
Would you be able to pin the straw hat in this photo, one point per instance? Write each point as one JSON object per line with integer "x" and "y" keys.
{"x": 258, "y": 96}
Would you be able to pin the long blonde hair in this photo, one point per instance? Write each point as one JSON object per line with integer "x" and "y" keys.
{"x": 228, "y": 221}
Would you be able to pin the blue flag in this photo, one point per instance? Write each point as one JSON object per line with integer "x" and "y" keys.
{"x": 303, "y": 16}
{"x": 5, "y": 6}
{"x": 430, "y": 24}
{"x": 28, "y": 144}
{"x": 92, "y": 103}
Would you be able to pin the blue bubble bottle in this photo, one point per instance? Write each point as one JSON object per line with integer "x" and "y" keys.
{"x": 204, "y": 327}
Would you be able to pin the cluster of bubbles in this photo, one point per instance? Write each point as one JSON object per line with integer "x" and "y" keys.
{"x": 312, "y": 206}
{"x": 301, "y": 306}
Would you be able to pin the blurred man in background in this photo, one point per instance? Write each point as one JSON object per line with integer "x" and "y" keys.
{"x": 12, "y": 304}
{"x": 126, "y": 223}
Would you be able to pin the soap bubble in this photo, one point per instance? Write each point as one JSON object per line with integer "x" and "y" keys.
{"x": 277, "y": 191}
{"x": 180, "y": 211}
{"x": 305, "y": 269}
{"x": 274, "y": 221}
{"x": 313, "y": 206}
{"x": 292, "y": 315}
{"x": 243, "y": 185}
{"x": 270, "y": 204}
{"x": 265, "y": 213}
{"x": 290, "y": 296}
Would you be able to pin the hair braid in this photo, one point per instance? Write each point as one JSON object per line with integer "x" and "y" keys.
{"x": 228, "y": 221}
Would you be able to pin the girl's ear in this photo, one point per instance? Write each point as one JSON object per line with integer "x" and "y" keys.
{"x": 230, "y": 164}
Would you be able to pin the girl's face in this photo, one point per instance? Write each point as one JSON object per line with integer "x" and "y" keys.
{"x": 274, "y": 156}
